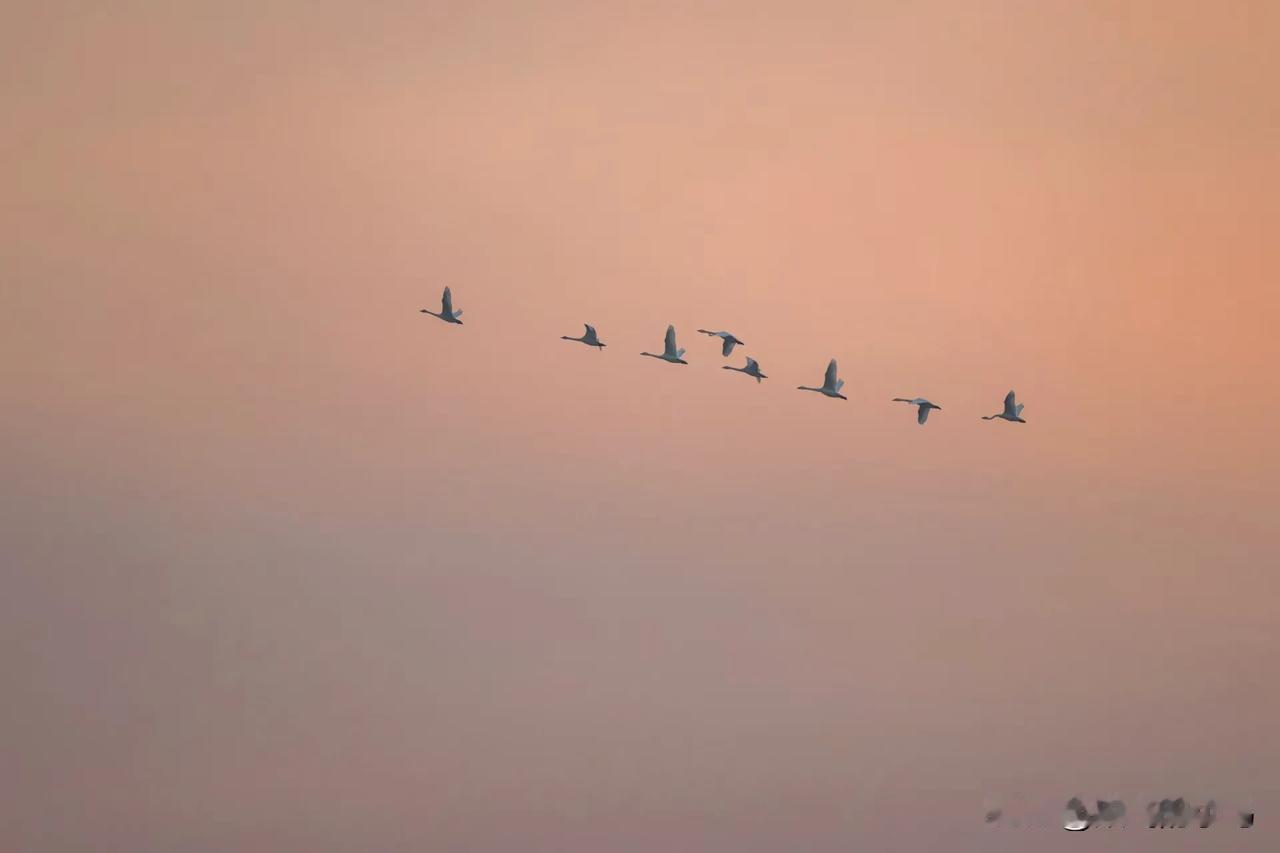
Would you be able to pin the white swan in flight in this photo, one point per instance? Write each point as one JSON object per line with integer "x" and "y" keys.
{"x": 830, "y": 384}
{"x": 669, "y": 351}
{"x": 730, "y": 341}
{"x": 922, "y": 414}
{"x": 589, "y": 338}
{"x": 752, "y": 369}
{"x": 446, "y": 309}
{"x": 1012, "y": 410}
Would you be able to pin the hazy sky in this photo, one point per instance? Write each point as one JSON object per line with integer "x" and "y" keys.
{"x": 288, "y": 566}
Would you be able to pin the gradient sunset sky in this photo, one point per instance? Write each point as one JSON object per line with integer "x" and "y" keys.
{"x": 289, "y": 566}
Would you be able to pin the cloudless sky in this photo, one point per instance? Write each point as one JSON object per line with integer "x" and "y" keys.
{"x": 290, "y": 566}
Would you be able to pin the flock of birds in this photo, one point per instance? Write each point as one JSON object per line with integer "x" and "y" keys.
{"x": 831, "y": 383}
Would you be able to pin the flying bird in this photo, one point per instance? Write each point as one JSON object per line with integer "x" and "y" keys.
{"x": 729, "y": 341}
{"x": 752, "y": 369}
{"x": 589, "y": 338}
{"x": 446, "y": 309}
{"x": 1076, "y": 818}
{"x": 922, "y": 414}
{"x": 1110, "y": 812}
{"x": 1012, "y": 411}
{"x": 669, "y": 351}
{"x": 830, "y": 384}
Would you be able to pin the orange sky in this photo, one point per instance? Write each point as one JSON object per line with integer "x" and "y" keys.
{"x": 295, "y": 567}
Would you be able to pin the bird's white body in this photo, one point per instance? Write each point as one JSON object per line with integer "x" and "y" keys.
{"x": 922, "y": 412}
{"x": 669, "y": 350}
{"x": 752, "y": 368}
{"x": 830, "y": 384}
{"x": 1012, "y": 410}
{"x": 446, "y": 309}
{"x": 730, "y": 341}
{"x": 589, "y": 337}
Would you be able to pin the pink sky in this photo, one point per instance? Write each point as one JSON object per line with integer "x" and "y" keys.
{"x": 291, "y": 566}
